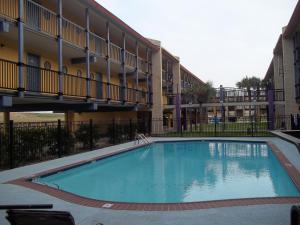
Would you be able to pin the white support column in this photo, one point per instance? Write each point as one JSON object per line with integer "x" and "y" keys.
{"x": 124, "y": 88}
{"x": 147, "y": 75}
{"x": 21, "y": 87}
{"x": 291, "y": 106}
{"x": 87, "y": 50}
{"x": 108, "y": 62}
{"x": 59, "y": 50}
{"x": 157, "y": 108}
{"x": 137, "y": 73}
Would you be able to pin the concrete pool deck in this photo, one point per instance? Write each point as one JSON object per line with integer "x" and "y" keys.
{"x": 255, "y": 214}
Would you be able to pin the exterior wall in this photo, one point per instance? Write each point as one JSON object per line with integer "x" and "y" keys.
{"x": 176, "y": 91}
{"x": 157, "y": 108}
{"x": 105, "y": 116}
{"x": 291, "y": 107}
{"x": 278, "y": 71}
{"x": 278, "y": 80}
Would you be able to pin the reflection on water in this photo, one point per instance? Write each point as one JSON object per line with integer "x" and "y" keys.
{"x": 181, "y": 172}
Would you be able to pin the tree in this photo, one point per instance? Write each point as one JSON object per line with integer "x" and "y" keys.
{"x": 250, "y": 83}
{"x": 199, "y": 93}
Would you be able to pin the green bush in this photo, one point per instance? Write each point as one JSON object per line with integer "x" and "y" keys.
{"x": 82, "y": 135}
{"x": 119, "y": 133}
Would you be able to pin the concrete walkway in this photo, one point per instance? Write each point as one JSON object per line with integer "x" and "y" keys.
{"x": 241, "y": 215}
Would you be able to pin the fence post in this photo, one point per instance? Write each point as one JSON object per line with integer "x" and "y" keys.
{"x": 59, "y": 138}
{"x": 91, "y": 134}
{"x": 215, "y": 120}
{"x": 11, "y": 143}
{"x": 130, "y": 130}
{"x": 252, "y": 127}
{"x": 114, "y": 131}
{"x": 181, "y": 134}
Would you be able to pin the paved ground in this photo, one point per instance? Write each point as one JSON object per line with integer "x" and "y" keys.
{"x": 241, "y": 215}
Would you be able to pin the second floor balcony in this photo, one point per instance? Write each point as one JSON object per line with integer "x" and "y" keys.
{"x": 45, "y": 82}
{"x": 41, "y": 19}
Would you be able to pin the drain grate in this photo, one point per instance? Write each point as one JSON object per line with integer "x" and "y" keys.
{"x": 107, "y": 205}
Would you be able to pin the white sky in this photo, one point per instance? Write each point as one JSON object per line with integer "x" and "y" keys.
{"x": 218, "y": 40}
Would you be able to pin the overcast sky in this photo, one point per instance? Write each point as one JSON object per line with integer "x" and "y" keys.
{"x": 218, "y": 40}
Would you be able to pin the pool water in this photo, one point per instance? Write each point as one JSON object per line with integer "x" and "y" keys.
{"x": 188, "y": 171}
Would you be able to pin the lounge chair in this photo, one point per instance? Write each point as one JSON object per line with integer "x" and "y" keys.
{"x": 295, "y": 215}
{"x": 24, "y": 215}
{"x": 39, "y": 217}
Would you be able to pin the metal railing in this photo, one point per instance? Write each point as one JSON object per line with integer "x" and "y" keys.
{"x": 8, "y": 74}
{"x": 142, "y": 65}
{"x": 45, "y": 81}
{"x": 26, "y": 143}
{"x": 115, "y": 53}
{"x": 40, "y": 80}
{"x": 115, "y": 92}
{"x": 73, "y": 33}
{"x": 219, "y": 127}
{"x": 98, "y": 45}
{"x": 142, "y": 96}
{"x": 9, "y": 8}
{"x": 74, "y": 85}
{"x": 130, "y": 59}
{"x": 131, "y": 93}
{"x": 40, "y": 18}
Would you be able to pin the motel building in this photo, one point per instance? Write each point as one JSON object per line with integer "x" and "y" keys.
{"x": 78, "y": 58}
{"x": 284, "y": 70}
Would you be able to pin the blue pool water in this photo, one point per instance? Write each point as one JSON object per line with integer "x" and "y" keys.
{"x": 180, "y": 172}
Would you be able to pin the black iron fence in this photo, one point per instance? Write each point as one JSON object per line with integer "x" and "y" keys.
{"x": 25, "y": 143}
{"x": 220, "y": 127}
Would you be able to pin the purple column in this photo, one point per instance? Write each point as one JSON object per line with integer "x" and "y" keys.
{"x": 178, "y": 110}
{"x": 271, "y": 109}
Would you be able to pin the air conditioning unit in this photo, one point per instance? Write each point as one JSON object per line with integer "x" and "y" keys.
{"x": 4, "y": 26}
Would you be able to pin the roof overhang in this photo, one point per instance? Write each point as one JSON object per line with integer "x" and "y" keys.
{"x": 278, "y": 48}
{"x": 170, "y": 55}
{"x": 189, "y": 72}
{"x": 293, "y": 23}
{"x": 270, "y": 71}
{"x": 120, "y": 24}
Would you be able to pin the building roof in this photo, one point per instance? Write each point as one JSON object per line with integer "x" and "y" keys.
{"x": 122, "y": 25}
{"x": 165, "y": 51}
{"x": 270, "y": 71}
{"x": 293, "y": 23}
{"x": 278, "y": 47}
{"x": 193, "y": 75}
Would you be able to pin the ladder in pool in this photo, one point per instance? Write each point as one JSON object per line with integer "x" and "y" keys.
{"x": 142, "y": 138}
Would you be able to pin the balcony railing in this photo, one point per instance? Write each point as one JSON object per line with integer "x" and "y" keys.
{"x": 239, "y": 96}
{"x": 73, "y": 33}
{"x": 41, "y": 19}
{"x": 130, "y": 59}
{"x": 8, "y": 74}
{"x": 9, "y": 8}
{"x": 115, "y": 53}
{"x": 40, "y": 80}
{"x": 98, "y": 45}
{"x": 44, "y": 81}
{"x": 142, "y": 65}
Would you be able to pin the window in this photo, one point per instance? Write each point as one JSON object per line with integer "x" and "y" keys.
{"x": 47, "y": 65}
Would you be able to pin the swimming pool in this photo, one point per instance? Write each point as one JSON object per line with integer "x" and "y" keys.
{"x": 177, "y": 172}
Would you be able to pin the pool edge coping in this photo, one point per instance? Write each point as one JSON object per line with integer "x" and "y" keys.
{"x": 26, "y": 182}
